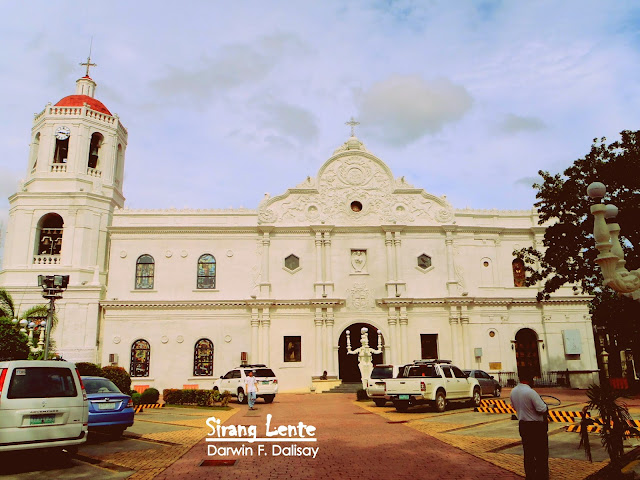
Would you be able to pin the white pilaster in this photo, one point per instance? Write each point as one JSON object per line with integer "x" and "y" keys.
{"x": 404, "y": 323}
{"x": 319, "y": 366}
{"x": 331, "y": 366}
{"x": 254, "y": 356}
{"x": 266, "y": 337}
{"x": 393, "y": 340}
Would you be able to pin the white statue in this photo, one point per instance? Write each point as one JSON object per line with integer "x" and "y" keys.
{"x": 365, "y": 353}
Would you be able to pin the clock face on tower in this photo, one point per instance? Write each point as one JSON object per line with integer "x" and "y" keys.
{"x": 62, "y": 133}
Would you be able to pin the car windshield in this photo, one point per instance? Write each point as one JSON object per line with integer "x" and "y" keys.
{"x": 99, "y": 385}
{"x": 41, "y": 382}
{"x": 382, "y": 372}
{"x": 262, "y": 372}
{"x": 424, "y": 371}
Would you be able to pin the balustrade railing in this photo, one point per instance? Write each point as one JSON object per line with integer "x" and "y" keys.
{"x": 46, "y": 259}
{"x": 94, "y": 172}
{"x": 559, "y": 378}
{"x": 59, "y": 167}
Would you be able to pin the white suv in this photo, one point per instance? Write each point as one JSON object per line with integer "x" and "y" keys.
{"x": 234, "y": 382}
{"x": 376, "y": 384}
{"x": 43, "y": 404}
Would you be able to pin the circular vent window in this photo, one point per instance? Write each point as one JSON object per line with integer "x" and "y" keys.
{"x": 356, "y": 206}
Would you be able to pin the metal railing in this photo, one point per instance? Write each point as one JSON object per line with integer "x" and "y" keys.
{"x": 558, "y": 378}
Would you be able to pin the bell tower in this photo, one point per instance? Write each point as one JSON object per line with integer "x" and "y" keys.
{"x": 58, "y": 218}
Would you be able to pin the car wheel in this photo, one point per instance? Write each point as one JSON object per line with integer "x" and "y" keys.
{"x": 380, "y": 402}
{"x": 441, "y": 402}
{"x": 476, "y": 398}
{"x": 268, "y": 398}
{"x": 401, "y": 405}
{"x": 496, "y": 392}
{"x": 242, "y": 398}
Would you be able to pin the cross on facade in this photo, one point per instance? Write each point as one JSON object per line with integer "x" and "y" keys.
{"x": 352, "y": 123}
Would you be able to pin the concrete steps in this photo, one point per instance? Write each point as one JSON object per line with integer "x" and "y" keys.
{"x": 346, "y": 387}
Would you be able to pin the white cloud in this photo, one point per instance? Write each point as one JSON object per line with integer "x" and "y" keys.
{"x": 403, "y": 109}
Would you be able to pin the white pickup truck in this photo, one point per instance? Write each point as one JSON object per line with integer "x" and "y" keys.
{"x": 433, "y": 382}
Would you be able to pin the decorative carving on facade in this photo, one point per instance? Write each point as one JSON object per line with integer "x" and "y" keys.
{"x": 360, "y": 296}
{"x": 359, "y": 260}
{"x": 355, "y": 178}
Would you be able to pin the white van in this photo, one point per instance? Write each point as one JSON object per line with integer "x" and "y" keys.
{"x": 43, "y": 404}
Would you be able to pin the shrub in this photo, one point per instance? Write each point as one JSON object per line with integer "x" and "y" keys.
{"x": 362, "y": 395}
{"x": 149, "y": 396}
{"x": 14, "y": 345}
{"x": 203, "y": 398}
{"x": 119, "y": 376}
{"x": 89, "y": 369}
{"x": 136, "y": 397}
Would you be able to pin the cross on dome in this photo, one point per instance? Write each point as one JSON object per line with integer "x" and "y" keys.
{"x": 88, "y": 63}
{"x": 352, "y": 123}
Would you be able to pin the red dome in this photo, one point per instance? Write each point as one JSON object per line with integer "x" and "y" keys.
{"x": 80, "y": 100}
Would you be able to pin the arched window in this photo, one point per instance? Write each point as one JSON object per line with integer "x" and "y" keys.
{"x": 144, "y": 272}
{"x": 35, "y": 149}
{"x": 519, "y": 274}
{"x": 207, "y": 271}
{"x": 140, "y": 356}
{"x": 50, "y": 235}
{"x": 62, "y": 146}
{"x": 94, "y": 150}
{"x": 203, "y": 358}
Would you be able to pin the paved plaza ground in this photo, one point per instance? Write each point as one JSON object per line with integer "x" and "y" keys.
{"x": 355, "y": 440}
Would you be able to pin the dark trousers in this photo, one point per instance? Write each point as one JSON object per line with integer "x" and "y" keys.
{"x": 536, "y": 449}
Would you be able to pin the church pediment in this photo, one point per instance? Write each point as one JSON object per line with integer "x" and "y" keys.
{"x": 355, "y": 188}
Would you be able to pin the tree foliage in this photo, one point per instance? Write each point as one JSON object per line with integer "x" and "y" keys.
{"x": 13, "y": 343}
{"x": 569, "y": 253}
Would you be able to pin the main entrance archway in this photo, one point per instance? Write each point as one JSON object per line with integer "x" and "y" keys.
{"x": 348, "y": 370}
{"x": 527, "y": 355}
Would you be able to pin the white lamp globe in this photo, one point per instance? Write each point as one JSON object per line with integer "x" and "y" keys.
{"x": 596, "y": 190}
{"x": 611, "y": 211}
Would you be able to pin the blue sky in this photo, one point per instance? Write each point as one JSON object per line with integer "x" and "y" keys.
{"x": 225, "y": 101}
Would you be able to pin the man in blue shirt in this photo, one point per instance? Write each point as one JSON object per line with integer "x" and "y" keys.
{"x": 533, "y": 427}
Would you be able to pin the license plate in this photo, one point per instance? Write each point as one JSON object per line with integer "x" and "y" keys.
{"x": 404, "y": 397}
{"x": 265, "y": 382}
{"x": 106, "y": 406}
{"x": 42, "y": 419}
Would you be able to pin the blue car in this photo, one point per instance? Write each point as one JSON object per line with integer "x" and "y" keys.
{"x": 110, "y": 410}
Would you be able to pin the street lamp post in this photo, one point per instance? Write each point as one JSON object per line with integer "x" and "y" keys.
{"x": 611, "y": 257}
{"x": 52, "y": 288}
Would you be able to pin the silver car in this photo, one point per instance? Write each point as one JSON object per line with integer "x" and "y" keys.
{"x": 488, "y": 384}
{"x": 375, "y": 384}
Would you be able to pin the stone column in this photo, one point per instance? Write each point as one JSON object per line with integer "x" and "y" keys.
{"x": 266, "y": 339}
{"x": 397, "y": 243}
{"x": 318, "y": 258}
{"x": 404, "y": 325}
{"x": 466, "y": 342}
{"x": 265, "y": 282}
{"x": 451, "y": 272}
{"x": 328, "y": 277}
{"x": 319, "y": 349}
{"x": 393, "y": 334}
{"x": 388, "y": 242}
{"x": 254, "y": 356}
{"x": 454, "y": 321}
{"x": 331, "y": 368}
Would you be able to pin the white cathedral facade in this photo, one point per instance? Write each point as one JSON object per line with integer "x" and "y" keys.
{"x": 179, "y": 297}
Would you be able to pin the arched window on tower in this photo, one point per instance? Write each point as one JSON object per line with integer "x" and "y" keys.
{"x": 94, "y": 150}
{"x": 140, "y": 357}
{"x": 119, "y": 164}
{"x": 519, "y": 274}
{"x": 144, "y": 272}
{"x": 35, "y": 149}
{"x": 203, "y": 358}
{"x": 207, "y": 271}
{"x": 62, "y": 150}
{"x": 50, "y": 230}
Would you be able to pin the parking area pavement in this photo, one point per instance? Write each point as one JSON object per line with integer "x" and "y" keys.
{"x": 356, "y": 440}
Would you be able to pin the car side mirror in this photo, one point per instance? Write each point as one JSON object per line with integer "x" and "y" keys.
{"x": 493, "y": 377}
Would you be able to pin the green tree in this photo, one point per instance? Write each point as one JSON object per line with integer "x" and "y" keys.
{"x": 569, "y": 253}
{"x": 13, "y": 343}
